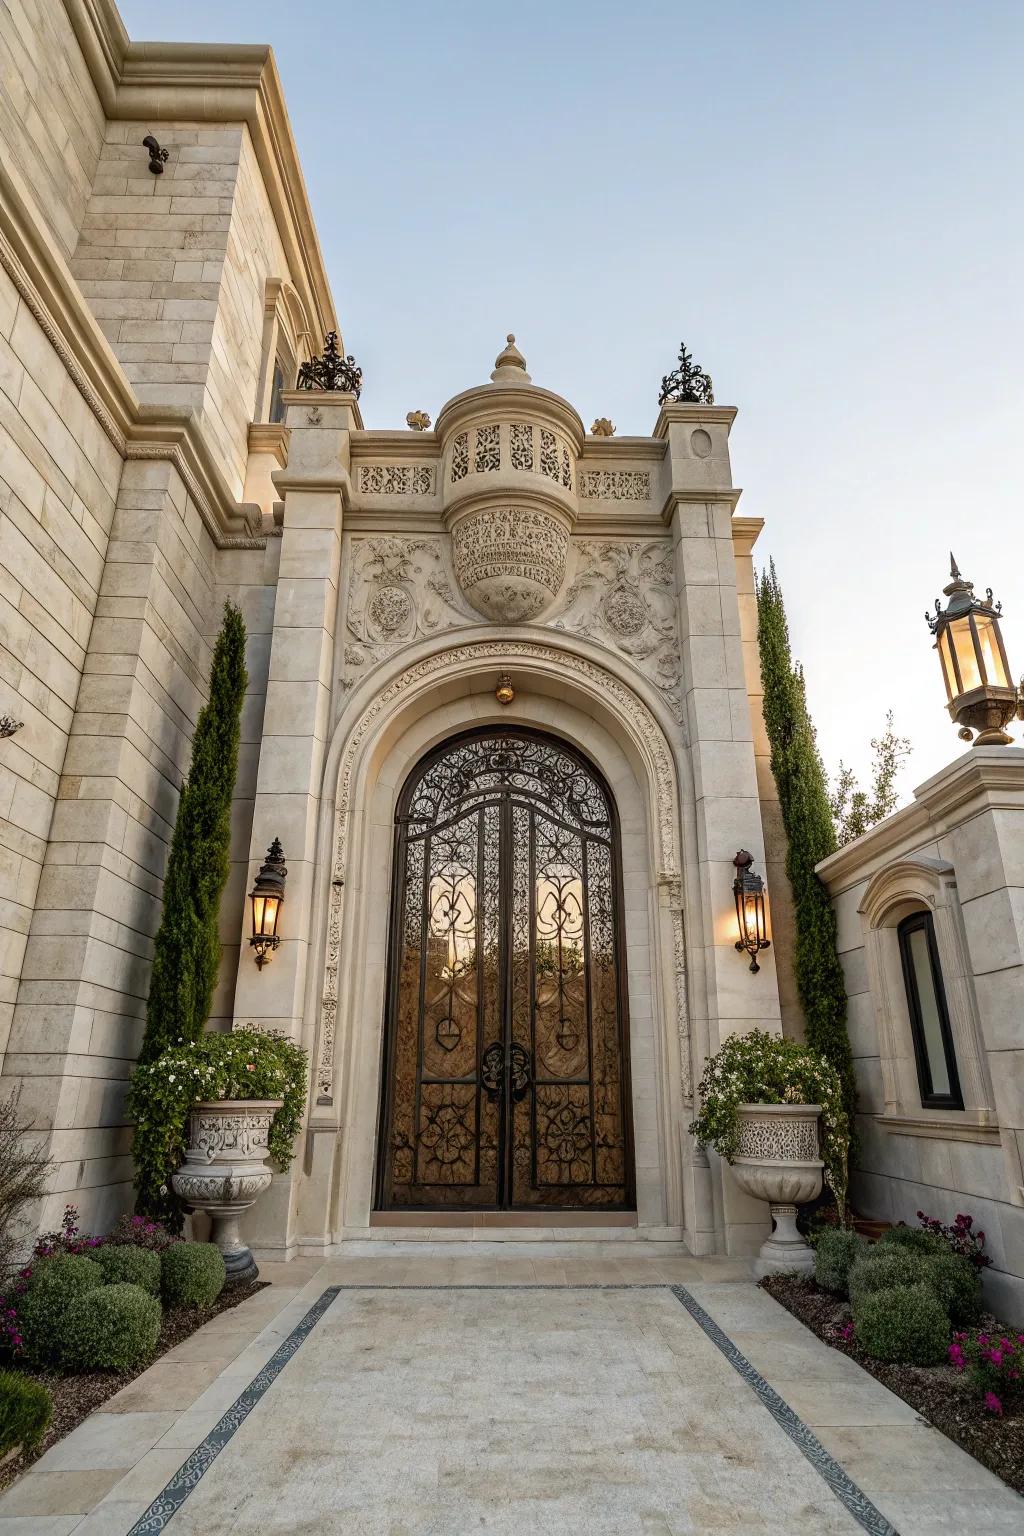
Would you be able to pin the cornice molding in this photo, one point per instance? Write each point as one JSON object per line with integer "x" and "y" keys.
{"x": 982, "y": 779}
{"x": 693, "y": 416}
{"x": 710, "y": 495}
{"x": 213, "y": 83}
{"x": 49, "y": 291}
{"x": 745, "y": 533}
{"x": 270, "y": 437}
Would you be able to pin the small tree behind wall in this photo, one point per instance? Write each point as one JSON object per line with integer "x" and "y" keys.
{"x": 810, "y": 836}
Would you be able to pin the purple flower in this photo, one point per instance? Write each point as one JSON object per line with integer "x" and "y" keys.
{"x": 993, "y": 1404}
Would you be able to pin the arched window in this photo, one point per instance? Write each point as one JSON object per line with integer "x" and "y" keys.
{"x": 929, "y": 1018}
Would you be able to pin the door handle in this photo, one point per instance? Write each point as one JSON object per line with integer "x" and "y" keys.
{"x": 519, "y": 1069}
{"x": 492, "y": 1068}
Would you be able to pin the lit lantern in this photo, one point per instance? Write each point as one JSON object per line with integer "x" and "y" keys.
{"x": 751, "y": 919}
{"x": 979, "y": 691}
{"x": 266, "y": 896}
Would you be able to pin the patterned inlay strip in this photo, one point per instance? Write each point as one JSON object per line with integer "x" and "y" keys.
{"x": 843, "y": 1486}
{"x": 169, "y": 1501}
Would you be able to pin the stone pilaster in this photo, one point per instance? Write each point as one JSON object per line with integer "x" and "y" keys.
{"x": 720, "y": 747}
{"x": 296, "y": 721}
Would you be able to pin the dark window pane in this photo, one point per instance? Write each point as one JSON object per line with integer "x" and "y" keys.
{"x": 929, "y": 1019}
{"x": 276, "y": 388}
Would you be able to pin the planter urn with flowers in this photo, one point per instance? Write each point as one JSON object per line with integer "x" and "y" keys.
{"x": 778, "y": 1159}
{"x": 225, "y": 1171}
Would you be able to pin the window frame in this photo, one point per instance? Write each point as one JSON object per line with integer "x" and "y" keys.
{"x": 954, "y": 1099}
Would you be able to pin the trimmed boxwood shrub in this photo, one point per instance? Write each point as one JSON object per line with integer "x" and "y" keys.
{"x": 880, "y": 1268}
{"x": 124, "y": 1263}
{"x": 111, "y": 1328}
{"x": 193, "y": 1274}
{"x": 906, "y": 1323}
{"x": 957, "y": 1284}
{"x": 53, "y": 1287}
{"x": 836, "y": 1249}
{"x": 913, "y": 1240}
{"x": 25, "y": 1410}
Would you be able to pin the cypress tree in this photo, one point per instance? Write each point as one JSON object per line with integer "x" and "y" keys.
{"x": 187, "y": 951}
{"x": 810, "y": 836}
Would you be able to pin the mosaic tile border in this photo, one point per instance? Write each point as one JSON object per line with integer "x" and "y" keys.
{"x": 826, "y": 1466}
{"x": 167, "y": 1503}
{"x": 172, "y": 1497}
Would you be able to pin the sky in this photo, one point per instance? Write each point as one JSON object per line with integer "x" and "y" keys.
{"x": 823, "y": 200}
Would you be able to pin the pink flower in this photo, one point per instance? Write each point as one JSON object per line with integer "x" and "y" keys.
{"x": 993, "y": 1404}
{"x": 995, "y": 1357}
{"x": 846, "y": 1332}
{"x": 249, "y": 1067}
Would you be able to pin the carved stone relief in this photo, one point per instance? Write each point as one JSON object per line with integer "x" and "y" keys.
{"x": 615, "y": 485}
{"x": 622, "y": 594}
{"x": 510, "y": 561}
{"x": 396, "y": 479}
{"x": 398, "y": 591}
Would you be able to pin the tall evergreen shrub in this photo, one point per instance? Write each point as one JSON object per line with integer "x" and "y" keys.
{"x": 810, "y": 836}
{"x": 187, "y": 950}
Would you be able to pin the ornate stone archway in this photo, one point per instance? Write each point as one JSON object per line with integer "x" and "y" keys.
{"x": 627, "y": 726}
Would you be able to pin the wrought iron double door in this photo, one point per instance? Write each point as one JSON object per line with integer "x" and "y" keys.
{"x": 505, "y": 1071}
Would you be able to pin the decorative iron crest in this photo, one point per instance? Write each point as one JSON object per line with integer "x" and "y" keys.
{"x": 687, "y": 384}
{"x": 332, "y": 371}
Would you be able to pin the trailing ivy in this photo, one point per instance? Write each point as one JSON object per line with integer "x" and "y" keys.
{"x": 245, "y": 1064}
{"x": 810, "y": 837}
{"x": 186, "y": 955}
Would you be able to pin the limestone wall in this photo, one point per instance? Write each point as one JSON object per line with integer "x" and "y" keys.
{"x": 59, "y": 475}
{"x": 51, "y": 121}
{"x": 954, "y": 853}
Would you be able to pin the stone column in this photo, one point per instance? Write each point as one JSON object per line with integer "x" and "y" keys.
{"x": 698, "y": 510}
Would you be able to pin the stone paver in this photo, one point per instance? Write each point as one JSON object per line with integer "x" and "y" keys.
{"x": 444, "y": 1393}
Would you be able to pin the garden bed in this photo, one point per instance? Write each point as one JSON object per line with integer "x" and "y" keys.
{"x": 938, "y": 1393}
{"x": 75, "y": 1397}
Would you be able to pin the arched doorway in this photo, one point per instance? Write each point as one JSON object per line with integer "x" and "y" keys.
{"x": 505, "y": 1082}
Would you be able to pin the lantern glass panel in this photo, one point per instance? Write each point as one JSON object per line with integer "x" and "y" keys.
{"x": 259, "y": 902}
{"x": 945, "y": 650}
{"x": 271, "y": 905}
{"x": 962, "y": 640}
{"x": 991, "y": 651}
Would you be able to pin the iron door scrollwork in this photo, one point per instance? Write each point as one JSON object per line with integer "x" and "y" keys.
{"x": 492, "y": 1068}
{"x": 506, "y": 1072}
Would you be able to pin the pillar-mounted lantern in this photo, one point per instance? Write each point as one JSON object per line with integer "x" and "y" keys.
{"x": 266, "y": 896}
{"x": 979, "y": 691}
{"x": 751, "y": 918}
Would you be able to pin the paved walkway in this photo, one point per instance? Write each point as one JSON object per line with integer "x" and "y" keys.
{"x": 410, "y": 1390}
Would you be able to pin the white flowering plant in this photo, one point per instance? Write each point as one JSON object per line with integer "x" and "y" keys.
{"x": 758, "y": 1068}
{"x": 246, "y": 1064}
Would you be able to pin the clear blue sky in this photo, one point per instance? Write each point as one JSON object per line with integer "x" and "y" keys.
{"x": 824, "y": 200}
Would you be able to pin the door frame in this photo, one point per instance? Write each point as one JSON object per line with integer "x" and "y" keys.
{"x": 392, "y": 977}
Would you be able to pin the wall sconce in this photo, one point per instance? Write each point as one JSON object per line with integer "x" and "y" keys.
{"x": 980, "y": 693}
{"x": 8, "y": 725}
{"x": 504, "y": 693}
{"x": 751, "y": 921}
{"x": 267, "y": 896}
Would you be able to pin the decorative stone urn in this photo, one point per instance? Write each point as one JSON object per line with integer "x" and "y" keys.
{"x": 778, "y": 1161}
{"x": 225, "y": 1171}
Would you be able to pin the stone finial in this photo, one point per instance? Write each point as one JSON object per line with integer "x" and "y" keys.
{"x": 510, "y": 365}
{"x": 418, "y": 421}
{"x": 603, "y": 427}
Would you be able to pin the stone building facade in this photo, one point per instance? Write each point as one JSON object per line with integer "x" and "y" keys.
{"x": 155, "y": 460}
{"x": 930, "y": 905}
